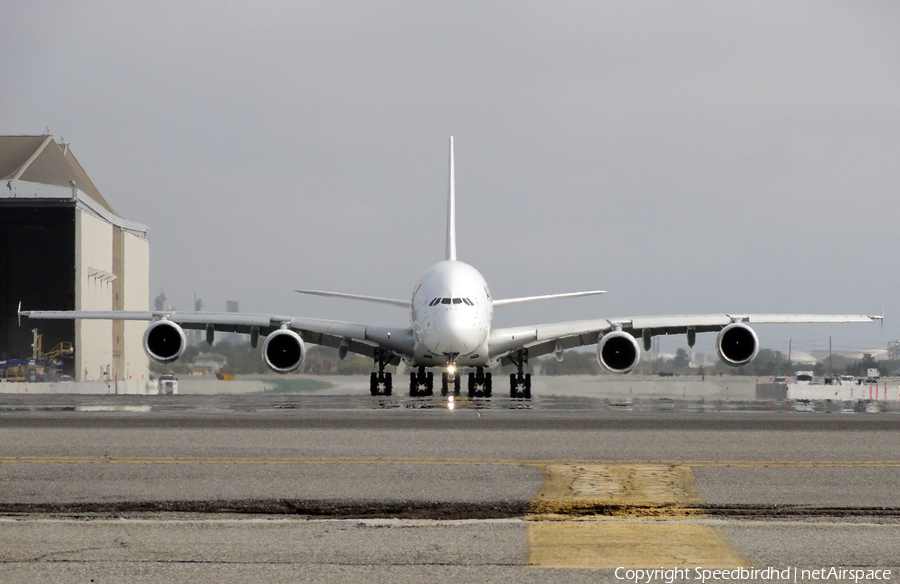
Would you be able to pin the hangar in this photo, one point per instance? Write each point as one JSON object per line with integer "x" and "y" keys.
{"x": 63, "y": 247}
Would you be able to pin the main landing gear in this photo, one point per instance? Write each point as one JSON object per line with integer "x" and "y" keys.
{"x": 421, "y": 383}
{"x": 520, "y": 383}
{"x": 380, "y": 383}
{"x": 480, "y": 384}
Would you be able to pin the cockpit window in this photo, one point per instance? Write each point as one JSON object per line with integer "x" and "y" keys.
{"x": 437, "y": 301}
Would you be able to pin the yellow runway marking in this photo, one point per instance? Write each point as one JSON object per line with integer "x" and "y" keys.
{"x": 659, "y": 490}
{"x": 442, "y": 461}
{"x": 630, "y": 545}
{"x": 649, "y": 489}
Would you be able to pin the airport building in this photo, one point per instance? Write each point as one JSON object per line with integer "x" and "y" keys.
{"x": 63, "y": 247}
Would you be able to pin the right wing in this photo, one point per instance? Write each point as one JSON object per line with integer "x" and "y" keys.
{"x": 510, "y": 301}
{"x": 544, "y": 339}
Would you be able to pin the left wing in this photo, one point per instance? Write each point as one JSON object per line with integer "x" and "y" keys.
{"x": 544, "y": 339}
{"x": 376, "y": 299}
{"x": 362, "y": 339}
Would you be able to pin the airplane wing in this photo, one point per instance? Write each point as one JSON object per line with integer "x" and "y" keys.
{"x": 510, "y": 301}
{"x": 544, "y": 339}
{"x": 376, "y": 299}
{"x": 356, "y": 338}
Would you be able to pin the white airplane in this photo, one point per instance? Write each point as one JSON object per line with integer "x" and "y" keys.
{"x": 450, "y": 316}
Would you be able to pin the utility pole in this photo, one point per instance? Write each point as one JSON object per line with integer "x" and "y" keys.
{"x": 830, "y": 370}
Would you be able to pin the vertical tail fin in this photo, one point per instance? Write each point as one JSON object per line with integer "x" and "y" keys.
{"x": 451, "y": 210}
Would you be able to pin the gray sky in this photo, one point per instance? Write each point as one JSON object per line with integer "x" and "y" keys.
{"x": 685, "y": 156}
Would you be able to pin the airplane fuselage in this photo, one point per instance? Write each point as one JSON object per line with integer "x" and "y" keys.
{"x": 450, "y": 315}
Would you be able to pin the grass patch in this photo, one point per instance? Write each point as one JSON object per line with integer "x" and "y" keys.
{"x": 295, "y": 385}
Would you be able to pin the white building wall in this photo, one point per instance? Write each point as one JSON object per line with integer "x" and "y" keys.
{"x": 136, "y": 290}
{"x": 93, "y": 338}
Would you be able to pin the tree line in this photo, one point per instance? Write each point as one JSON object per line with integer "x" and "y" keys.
{"x": 242, "y": 359}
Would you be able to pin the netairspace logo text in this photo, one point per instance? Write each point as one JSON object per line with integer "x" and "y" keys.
{"x": 833, "y": 574}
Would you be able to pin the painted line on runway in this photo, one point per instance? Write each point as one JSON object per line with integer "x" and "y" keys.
{"x": 301, "y": 460}
{"x": 610, "y": 545}
{"x": 631, "y": 490}
{"x": 617, "y": 489}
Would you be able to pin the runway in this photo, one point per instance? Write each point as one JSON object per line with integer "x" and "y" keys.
{"x": 352, "y": 488}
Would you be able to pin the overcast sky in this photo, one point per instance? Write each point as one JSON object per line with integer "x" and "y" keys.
{"x": 688, "y": 157}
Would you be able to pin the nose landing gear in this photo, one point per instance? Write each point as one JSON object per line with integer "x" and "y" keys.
{"x": 446, "y": 382}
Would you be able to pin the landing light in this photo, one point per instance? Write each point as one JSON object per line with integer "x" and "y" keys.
{"x": 451, "y": 369}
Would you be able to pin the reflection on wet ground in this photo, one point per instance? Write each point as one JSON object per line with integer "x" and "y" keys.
{"x": 12, "y": 403}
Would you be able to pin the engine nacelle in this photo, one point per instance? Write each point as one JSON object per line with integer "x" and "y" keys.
{"x": 737, "y": 344}
{"x": 164, "y": 341}
{"x": 283, "y": 351}
{"x": 618, "y": 352}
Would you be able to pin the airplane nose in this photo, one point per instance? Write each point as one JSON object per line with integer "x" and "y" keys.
{"x": 454, "y": 331}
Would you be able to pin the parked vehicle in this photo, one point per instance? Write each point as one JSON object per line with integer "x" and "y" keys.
{"x": 167, "y": 385}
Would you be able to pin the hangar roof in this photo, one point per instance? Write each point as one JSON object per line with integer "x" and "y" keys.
{"x": 40, "y": 159}
{"x": 38, "y": 168}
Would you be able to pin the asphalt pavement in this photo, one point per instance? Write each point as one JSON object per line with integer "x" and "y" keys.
{"x": 262, "y": 488}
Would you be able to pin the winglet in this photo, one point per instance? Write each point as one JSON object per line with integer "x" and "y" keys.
{"x": 451, "y": 210}
{"x": 19, "y": 312}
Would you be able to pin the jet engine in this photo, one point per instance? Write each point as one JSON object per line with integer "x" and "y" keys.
{"x": 164, "y": 341}
{"x": 283, "y": 351}
{"x": 618, "y": 352}
{"x": 737, "y": 344}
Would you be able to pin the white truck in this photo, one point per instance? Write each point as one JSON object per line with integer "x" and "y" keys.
{"x": 167, "y": 385}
